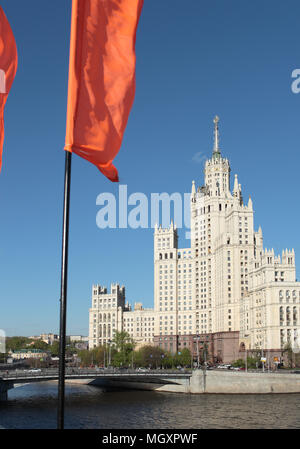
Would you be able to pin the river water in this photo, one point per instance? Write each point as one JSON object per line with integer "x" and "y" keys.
{"x": 33, "y": 406}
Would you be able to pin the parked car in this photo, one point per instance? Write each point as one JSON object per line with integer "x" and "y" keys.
{"x": 224, "y": 366}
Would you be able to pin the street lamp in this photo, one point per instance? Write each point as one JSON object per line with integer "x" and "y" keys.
{"x": 263, "y": 358}
{"x": 204, "y": 353}
{"x": 109, "y": 352}
{"x": 197, "y": 336}
{"x": 246, "y": 361}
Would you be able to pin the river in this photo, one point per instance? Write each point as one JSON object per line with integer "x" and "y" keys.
{"x": 33, "y": 406}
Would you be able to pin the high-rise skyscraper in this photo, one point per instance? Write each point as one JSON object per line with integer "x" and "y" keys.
{"x": 226, "y": 287}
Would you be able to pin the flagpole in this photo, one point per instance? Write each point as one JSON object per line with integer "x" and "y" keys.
{"x": 63, "y": 292}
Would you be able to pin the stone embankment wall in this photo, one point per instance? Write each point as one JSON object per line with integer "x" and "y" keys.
{"x": 243, "y": 383}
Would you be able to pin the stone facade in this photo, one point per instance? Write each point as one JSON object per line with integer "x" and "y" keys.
{"x": 106, "y": 313}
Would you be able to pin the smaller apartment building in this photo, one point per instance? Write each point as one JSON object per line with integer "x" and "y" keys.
{"x": 109, "y": 313}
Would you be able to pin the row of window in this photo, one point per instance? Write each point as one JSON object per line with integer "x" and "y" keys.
{"x": 288, "y": 294}
{"x": 286, "y": 315}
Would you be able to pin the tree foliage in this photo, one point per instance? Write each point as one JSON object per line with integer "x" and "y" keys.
{"x": 124, "y": 346}
{"x": 17, "y": 343}
{"x": 40, "y": 344}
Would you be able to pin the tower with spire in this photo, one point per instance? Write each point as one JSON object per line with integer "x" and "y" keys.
{"x": 222, "y": 241}
{"x": 217, "y": 169}
{"x": 219, "y": 285}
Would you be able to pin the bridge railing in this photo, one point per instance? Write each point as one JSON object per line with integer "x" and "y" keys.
{"x": 48, "y": 373}
{"x": 53, "y": 372}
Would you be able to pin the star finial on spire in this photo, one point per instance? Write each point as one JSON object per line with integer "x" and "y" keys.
{"x": 216, "y": 142}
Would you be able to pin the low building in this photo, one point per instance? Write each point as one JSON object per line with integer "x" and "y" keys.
{"x": 22, "y": 354}
{"x": 109, "y": 313}
{"x": 213, "y": 347}
{"x": 77, "y": 339}
{"x": 140, "y": 324}
{"x": 106, "y": 314}
{"x": 47, "y": 338}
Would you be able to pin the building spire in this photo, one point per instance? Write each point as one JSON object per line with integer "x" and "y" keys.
{"x": 216, "y": 137}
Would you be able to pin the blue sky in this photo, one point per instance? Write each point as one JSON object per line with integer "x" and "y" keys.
{"x": 195, "y": 59}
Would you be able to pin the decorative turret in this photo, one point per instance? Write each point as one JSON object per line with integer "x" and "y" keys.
{"x": 250, "y": 205}
{"x": 288, "y": 257}
{"x": 235, "y": 186}
{"x": 258, "y": 239}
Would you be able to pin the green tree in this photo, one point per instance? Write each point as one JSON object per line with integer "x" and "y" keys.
{"x": 254, "y": 361}
{"x": 239, "y": 363}
{"x": 100, "y": 355}
{"x": 40, "y": 344}
{"x": 124, "y": 346}
{"x": 122, "y": 341}
{"x": 94, "y": 356}
{"x": 17, "y": 343}
{"x": 152, "y": 356}
{"x": 138, "y": 359}
{"x": 86, "y": 357}
{"x": 184, "y": 358}
{"x": 54, "y": 349}
{"x": 289, "y": 354}
{"x": 168, "y": 360}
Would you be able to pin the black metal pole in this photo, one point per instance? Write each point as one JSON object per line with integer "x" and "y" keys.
{"x": 63, "y": 293}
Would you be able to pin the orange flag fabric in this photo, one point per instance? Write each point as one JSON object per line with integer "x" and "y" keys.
{"x": 8, "y": 69}
{"x": 101, "y": 78}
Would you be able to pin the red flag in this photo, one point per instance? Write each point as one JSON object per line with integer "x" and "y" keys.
{"x": 101, "y": 78}
{"x": 8, "y": 68}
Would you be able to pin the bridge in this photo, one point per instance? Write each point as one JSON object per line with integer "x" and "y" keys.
{"x": 109, "y": 377}
{"x": 196, "y": 381}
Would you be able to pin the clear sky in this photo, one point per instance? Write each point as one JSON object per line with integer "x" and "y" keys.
{"x": 195, "y": 59}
